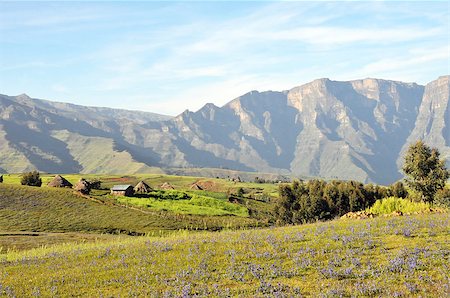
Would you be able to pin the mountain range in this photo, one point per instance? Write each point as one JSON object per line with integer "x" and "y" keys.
{"x": 331, "y": 129}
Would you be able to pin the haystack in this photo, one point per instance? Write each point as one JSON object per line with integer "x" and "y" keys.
{"x": 59, "y": 181}
{"x": 83, "y": 186}
{"x": 195, "y": 186}
{"x": 166, "y": 186}
{"x": 142, "y": 187}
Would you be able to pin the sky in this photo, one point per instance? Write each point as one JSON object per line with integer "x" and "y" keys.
{"x": 166, "y": 57}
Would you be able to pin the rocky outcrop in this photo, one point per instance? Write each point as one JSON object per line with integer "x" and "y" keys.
{"x": 345, "y": 130}
{"x": 433, "y": 121}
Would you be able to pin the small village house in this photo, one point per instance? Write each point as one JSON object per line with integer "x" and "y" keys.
{"x": 122, "y": 190}
{"x": 83, "y": 186}
{"x": 142, "y": 188}
{"x": 59, "y": 181}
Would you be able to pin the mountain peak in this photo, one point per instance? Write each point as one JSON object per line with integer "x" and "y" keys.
{"x": 23, "y": 96}
{"x": 333, "y": 129}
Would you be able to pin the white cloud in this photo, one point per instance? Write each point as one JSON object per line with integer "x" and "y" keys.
{"x": 409, "y": 60}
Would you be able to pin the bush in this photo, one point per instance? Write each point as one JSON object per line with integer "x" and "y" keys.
{"x": 31, "y": 179}
{"x": 392, "y": 204}
{"x": 169, "y": 195}
{"x": 442, "y": 198}
{"x": 95, "y": 184}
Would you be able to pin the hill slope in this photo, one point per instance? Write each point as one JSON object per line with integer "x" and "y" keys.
{"x": 45, "y": 209}
{"x": 346, "y": 130}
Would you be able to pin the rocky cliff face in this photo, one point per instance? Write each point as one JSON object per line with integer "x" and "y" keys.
{"x": 346, "y": 130}
{"x": 433, "y": 121}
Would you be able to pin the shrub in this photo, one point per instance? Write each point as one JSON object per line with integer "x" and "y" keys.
{"x": 442, "y": 198}
{"x": 31, "y": 179}
{"x": 95, "y": 184}
{"x": 169, "y": 195}
{"x": 392, "y": 204}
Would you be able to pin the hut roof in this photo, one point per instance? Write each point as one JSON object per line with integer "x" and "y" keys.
{"x": 59, "y": 181}
{"x": 142, "y": 187}
{"x": 166, "y": 185}
{"x": 83, "y": 186}
{"x": 120, "y": 187}
{"x": 195, "y": 186}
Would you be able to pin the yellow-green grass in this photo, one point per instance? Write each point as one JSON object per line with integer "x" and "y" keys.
{"x": 15, "y": 241}
{"x": 45, "y": 209}
{"x": 387, "y": 257}
{"x": 196, "y": 204}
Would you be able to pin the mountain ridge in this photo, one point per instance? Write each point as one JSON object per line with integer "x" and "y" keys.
{"x": 332, "y": 129}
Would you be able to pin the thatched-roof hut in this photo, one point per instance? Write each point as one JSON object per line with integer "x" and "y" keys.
{"x": 195, "y": 186}
{"x": 142, "y": 187}
{"x": 59, "y": 181}
{"x": 83, "y": 186}
{"x": 166, "y": 186}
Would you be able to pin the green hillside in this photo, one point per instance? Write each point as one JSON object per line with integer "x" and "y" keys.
{"x": 98, "y": 155}
{"x": 46, "y": 209}
{"x": 381, "y": 257}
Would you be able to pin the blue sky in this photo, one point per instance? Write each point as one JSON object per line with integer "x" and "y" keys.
{"x": 169, "y": 56}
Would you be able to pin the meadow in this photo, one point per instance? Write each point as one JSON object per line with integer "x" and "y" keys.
{"x": 390, "y": 257}
{"x": 29, "y": 215}
{"x": 50, "y": 210}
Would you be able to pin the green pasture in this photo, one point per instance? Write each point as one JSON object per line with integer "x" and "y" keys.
{"x": 46, "y": 209}
{"x": 195, "y": 204}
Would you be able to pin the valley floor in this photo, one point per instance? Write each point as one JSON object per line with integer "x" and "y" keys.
{"x": 393, "y": 257}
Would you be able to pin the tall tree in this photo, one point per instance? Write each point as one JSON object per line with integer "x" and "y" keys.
{"x": 425, "y": 172}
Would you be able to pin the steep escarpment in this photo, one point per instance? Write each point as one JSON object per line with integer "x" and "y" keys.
{"x": 348, "y": 130}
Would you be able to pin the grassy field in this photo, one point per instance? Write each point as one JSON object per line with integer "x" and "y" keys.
{"x": 390, "y": 257}
{"x": 199, "y": 205}
{"x": 211, "y": 201}
{"x": 156, "y": 180}
{"x": 45, "y": 209}
{"x": 31, "y": 217}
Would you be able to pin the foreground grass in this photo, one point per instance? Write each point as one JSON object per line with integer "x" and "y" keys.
{"x": 391, "y": 257}
{"x": 15, "y": 241}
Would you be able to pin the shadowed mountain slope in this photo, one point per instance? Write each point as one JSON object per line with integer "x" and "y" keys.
{"x": 346, "y": 130}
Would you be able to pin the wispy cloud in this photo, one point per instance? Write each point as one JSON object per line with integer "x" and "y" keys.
{"x": 409, "y": 60}
{"x": 171, "y": 56}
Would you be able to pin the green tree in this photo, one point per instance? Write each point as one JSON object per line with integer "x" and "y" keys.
{"x": 31, "y": 179}
{"x": 284, "y": 205}
{"x": 425, "y": 172}
{"x": 398, "y": 190}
